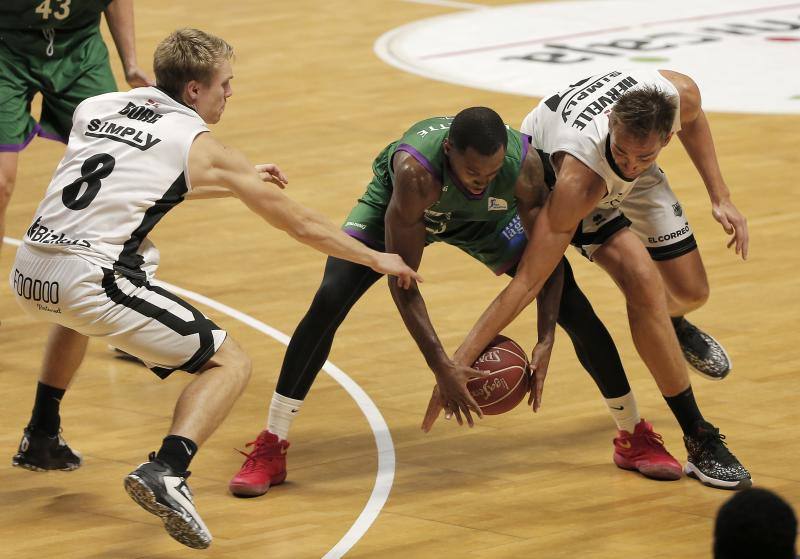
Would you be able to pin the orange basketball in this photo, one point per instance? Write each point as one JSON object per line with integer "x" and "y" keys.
{"x": 506, "y": 386}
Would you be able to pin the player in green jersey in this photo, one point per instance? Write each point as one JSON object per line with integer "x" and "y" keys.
{"x": 474, "y": 183}
{"x": 54, "y": 47}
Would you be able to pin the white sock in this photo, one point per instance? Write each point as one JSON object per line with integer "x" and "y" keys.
{"x": 624, "y": 411}
{"x": 282, "y": 411}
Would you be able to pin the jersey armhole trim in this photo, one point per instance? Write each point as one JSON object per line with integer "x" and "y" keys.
{"x": 186, "y": 175}
{"x": 580, "y": 158}
{"x": 421, "y": 159}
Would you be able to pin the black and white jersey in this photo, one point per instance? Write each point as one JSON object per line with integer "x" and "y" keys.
{"x": 125, "y": 167}
{"x": 575, "y": 121}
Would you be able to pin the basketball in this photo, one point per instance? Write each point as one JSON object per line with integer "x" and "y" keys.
{"x": 506, "y": 386}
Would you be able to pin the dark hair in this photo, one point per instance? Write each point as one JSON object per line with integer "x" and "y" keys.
{"x": 645, "y": 110}
{"x": 755, "y": 523}
{"x": 479, "y": 128}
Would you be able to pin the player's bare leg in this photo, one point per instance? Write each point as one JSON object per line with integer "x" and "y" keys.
{"x": 206, "y": 401}
{"x": 626, "y": 260}
{"x": 687, "y": 289}
{"x": 159, "y": 485}
{"x": 8, "y": 177}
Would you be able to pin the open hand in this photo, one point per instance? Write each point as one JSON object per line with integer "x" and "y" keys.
{"x": 734, "y": 223}
{"x": 451, "y": 394}
{"x": 393, "y": 265}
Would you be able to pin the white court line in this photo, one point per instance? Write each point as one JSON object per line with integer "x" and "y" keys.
{"x": 383, "y": 438}
{"x": 451, "y": 4}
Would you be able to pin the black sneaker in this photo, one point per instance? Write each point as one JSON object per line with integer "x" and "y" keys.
{"x": 710, "y": 461}
{"x": 40, "y": 452}
{"x": 161, "y": 491}
{"x": 705, "y": 354}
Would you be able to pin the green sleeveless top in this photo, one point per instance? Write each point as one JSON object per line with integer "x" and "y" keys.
{"x": 27, "y": 26}
{"x": 459, "y": 217}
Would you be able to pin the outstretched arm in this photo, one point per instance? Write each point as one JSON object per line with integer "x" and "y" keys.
{"x": 119, "y": 16}
{"x": 267, "y": 172}
{"x": 414, "y": 191}
{"x": 578, "y": 190}
{"x": 212, "y": 164}
{"x": 695, "y": 135}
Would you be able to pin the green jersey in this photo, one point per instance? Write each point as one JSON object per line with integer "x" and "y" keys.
{"x": 48, "y": 27}
{"x": 486, "y": 226}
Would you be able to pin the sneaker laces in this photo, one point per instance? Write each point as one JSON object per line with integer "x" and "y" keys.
{"x": 252, "y": 462}
{"x": 691, "y": 336}
{"x": 714, "y": 441}
{"x": 651, "y": 439}
{"x": 654, "y": 439}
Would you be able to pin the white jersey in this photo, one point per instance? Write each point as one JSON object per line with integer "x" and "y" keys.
{"x": 575, "y": 121}
{"x": 125, "y": 167}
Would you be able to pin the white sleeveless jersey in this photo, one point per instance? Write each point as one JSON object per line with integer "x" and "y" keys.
{"x": 125, "y": 167}
{"x": 575, "y": 121}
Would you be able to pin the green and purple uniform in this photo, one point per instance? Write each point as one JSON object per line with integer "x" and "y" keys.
{"x": 486, "y": 226}
{"x": 53, "y": 47}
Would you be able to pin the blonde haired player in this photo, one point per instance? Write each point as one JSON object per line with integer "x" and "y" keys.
{"x": 86, "y": 264}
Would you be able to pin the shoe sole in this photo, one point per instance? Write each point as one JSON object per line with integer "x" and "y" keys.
{"x": 660, "y": 473}
{"x": 175, "y": 524}
{"x": 244, "y": 490}
{"x": 692, "y": 471}
{"x": 35, "y": 468}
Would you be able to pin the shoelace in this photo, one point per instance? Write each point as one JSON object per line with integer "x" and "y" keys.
{"x": 694, "y": 339}
{"x": 654, "y": 439}
{"x": 252, "y": 463}
{"x": 714, "y": 441}
{"x": 651, "y": 439}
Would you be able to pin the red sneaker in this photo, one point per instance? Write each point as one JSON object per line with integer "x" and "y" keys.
{"x": 265, "y": 466}
{"x": 644, "y": 451}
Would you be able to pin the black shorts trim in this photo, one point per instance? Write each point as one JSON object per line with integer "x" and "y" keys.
{"x": 200, "y": 325}
{"x": 684, "y": 246}
{"x": 605, "y": 232}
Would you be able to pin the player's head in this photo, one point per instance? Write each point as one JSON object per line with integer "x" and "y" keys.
{"x": 194, "y": 68}
{"x": 476, "y": 147}
{"x": 755, "y": 523}
{"x": 641, "y": 125}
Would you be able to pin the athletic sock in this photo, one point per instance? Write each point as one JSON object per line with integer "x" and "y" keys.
{"x": 282, "y": 411}
{"x": 177, "y": 452}
{"x": 684, "y": 408}
{"x": 45, "y": 416}
{"x": 624, "y": 411}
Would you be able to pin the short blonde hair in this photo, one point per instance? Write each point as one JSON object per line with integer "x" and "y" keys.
{"x": 188, "y": 54}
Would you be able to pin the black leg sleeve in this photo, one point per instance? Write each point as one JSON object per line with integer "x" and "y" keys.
{"x": 593, "y": 344}
{"x": 342, "y": 285}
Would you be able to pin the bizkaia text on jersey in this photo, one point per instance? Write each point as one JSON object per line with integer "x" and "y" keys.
{"x": 571, "y": 53}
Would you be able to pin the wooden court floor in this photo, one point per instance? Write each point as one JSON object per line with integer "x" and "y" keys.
{"x": 310, "y": 95}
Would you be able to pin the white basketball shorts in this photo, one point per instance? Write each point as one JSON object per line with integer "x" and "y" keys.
{"x": 137, "y": 317}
